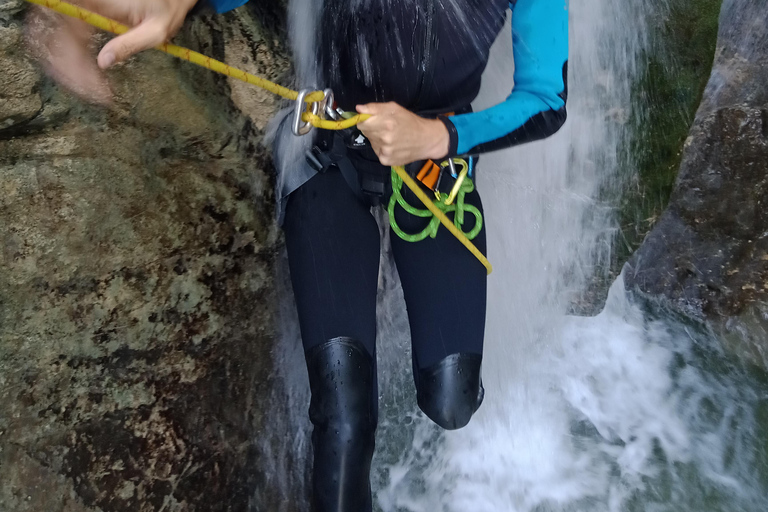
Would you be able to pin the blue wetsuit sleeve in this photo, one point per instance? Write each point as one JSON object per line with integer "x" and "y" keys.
{"x": 220, "y": 6}
{"x": 536, "y": 107}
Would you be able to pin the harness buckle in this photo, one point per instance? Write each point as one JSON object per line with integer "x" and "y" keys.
{"x": 318, "y": 160}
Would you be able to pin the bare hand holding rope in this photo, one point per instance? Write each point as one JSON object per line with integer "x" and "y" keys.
{"x": 399, "y": 136}
{"x": 63, "y": 43}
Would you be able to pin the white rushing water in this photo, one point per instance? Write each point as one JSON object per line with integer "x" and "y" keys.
{"x": 630, "y": 410}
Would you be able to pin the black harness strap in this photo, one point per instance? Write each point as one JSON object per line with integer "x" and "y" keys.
{"x": 354, "y": 158}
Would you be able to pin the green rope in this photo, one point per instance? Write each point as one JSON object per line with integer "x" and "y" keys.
{"x": 458, "y": 208}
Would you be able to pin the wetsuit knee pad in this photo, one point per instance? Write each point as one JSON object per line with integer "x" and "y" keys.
{"x": 343, "y": 411}
{"x": 341, "y": 379}
{"x": 450, "y": 391}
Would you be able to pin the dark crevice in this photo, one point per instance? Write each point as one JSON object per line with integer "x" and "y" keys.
{"x": 23, "y": 127}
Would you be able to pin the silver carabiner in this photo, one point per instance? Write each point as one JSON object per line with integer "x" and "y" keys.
{"x": 326, "y": 106}
{"x": 299, "y": 127}
{"x": 452, "y": 167}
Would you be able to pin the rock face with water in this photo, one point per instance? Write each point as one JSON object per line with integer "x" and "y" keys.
{"x": 136, "y": 296}
{"x": 708, "y": 254}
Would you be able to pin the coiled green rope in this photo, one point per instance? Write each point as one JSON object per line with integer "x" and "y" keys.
{"x": 458, "y": 208}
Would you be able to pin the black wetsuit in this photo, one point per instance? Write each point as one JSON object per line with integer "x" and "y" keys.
{"x": 422, "y": 55}
{"x": 428, "y": 57}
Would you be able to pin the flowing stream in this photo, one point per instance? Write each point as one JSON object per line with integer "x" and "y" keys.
{"x": 630, "y": 410}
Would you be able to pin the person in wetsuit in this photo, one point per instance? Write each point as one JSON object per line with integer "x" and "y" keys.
{"x": 415, "y": 67}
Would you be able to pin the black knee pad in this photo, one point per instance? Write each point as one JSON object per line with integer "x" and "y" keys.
{"x": 450, "y": 391}
{"x": 343, "y": 411}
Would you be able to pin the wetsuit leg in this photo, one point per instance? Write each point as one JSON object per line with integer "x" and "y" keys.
{"x": 445, "y": 293}
{"x": 333, "y": 255}
{"x": 343, "y": 411}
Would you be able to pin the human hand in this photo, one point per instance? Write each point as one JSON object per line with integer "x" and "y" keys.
{"x": 399, "y": 136}
{"x": 62, "y": 43}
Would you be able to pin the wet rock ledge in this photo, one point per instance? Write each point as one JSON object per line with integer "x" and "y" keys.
{"x": 708, "y": 254}
{"x": 136, "y": 290}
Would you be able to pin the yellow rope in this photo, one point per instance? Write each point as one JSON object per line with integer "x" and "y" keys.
{"x": 113, "y": 26}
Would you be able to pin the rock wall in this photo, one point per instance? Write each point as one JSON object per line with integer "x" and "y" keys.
{"x": 708, "y": 254}
{"x": 136, "y": 279}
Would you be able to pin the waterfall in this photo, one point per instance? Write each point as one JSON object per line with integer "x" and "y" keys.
{"x": 630, "y": 410}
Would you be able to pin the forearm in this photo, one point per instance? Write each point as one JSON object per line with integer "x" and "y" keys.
{"x": 524, "y": 117}
{"x": 536, "y": 107}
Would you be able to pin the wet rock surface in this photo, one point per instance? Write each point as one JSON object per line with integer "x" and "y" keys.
{"x": 136, "y": 279}
{"x": 708, "y": 254}
{"x": 19, "y": 97}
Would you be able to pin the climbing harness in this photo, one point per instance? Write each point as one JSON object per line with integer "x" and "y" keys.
{"x": 311, "y": 109}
